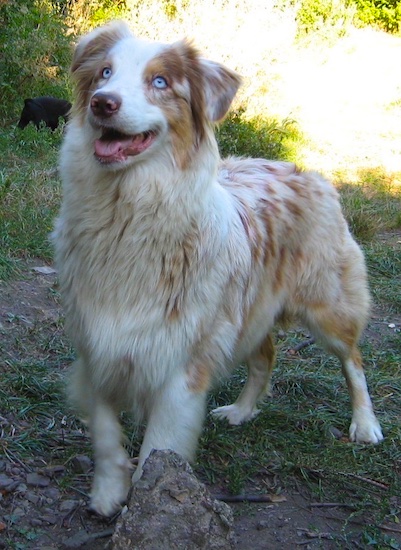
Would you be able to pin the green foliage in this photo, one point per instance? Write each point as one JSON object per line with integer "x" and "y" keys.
{"x": 34, "y": 54}
{"x": 83, "y": 15}
{"x": 258, "y": 137}
{"x": 335, "y": 16}
{"x": 386, "y": 14}
{"x": 315, "y": 16}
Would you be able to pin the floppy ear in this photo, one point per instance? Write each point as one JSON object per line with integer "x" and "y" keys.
{"x": 98, "y": 41}
{"x": 221, "y": 85}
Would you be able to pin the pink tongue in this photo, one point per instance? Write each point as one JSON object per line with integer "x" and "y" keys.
{"x": 106, "y": 149}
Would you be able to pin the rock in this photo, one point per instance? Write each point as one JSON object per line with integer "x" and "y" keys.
{"x": 335, "y": 432}
{"x": 81, "y": 464}
{"x": 51, "y": 519}
{"x": 53, "y": 471}
{"x": 52, "y": 493}
{"x": 170, "y": 508}
{"x": 36, "y": 480}
{"x": 6, "y": 481}
{"x": 32, "y": 497}
{"x": 68, "y": 505}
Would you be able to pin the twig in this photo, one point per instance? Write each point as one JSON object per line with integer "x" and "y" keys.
{"x": 101, "y": 534}
{"x": 302, "y": 345}
{"x": 313, "y": 535}
{"x": 333, "y": 505}
{"x": 249, "y": 498}
{"x": 391, "y": 529}
{"x": 366, "y": 480}
{"x": 79, "y": 491}
{"x": 12, "y": 457}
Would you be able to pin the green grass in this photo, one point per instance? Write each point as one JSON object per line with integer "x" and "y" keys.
{"x": 290, "y": 442}
{"x": 29, "y": 194}
{"x": 373, "y": 204}
{"x": 258, "y": 137}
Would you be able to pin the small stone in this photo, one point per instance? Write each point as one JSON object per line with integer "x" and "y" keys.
{"x": 36, "y": 522}
{"x": 81, "y": 464}
{"x": 32, "y": 497}
{"x": 5, "y": 481}
{"x": 21, "y": 488}
{"x": 53, "y": 471}
{"x": 2, "y": 465}
{"x": 262, "y": 524}
{"x": 49, "y": 518}
{"x": 52, "y": 493}
{"x": 68, "y": 505}
{"x": 335, "y": 432}
{"x": 36, "y": 480}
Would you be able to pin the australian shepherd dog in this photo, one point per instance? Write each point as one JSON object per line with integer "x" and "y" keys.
{"x": 174, "y": 264}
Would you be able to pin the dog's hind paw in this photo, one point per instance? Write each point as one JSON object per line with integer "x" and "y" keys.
{"x": 366, "y": 431}
{"x": 235, "y": 414}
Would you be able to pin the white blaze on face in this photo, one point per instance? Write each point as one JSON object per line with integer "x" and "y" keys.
{"x": 152, "y": 84}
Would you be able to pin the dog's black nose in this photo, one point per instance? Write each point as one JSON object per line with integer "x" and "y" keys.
{"x": 105, "y": 105}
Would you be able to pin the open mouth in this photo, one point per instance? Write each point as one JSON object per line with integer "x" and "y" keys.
{"x": 114, "y": 146}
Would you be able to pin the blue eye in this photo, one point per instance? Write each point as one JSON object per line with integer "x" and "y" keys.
{"x": 106, "y": 72}
{"x": 159, "y": 82}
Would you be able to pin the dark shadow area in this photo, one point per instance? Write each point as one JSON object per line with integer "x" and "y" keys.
{"x": 35, "y": 54}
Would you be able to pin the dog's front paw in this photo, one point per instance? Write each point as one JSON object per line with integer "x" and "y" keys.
{"x": 109, "y": 493}
{"x": 235, "y": 414}
{"x": 365, "y": 430}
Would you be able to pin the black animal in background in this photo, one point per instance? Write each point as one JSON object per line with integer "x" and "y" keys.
{"x": 45, "y": 109}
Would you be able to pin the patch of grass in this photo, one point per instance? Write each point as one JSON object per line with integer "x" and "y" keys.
{"x": 384, "y": 268}
{"x": 292, "y": 439}
{"x": 373, "y": 204}
{"x": 29, "y": 194}
{"x": 258, "y": 137}
{"x": 35, "y": 418}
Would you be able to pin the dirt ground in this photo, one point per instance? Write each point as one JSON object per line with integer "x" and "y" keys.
{"x": 43, "y": 505}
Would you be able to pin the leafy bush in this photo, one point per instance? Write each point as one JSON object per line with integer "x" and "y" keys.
{"x": 34, "y": 54}
{"x": 257, "y": 137}
{"x": 385, "y": 14}
{"x": 83, "y": 15}
{"x": 314, "y": 16}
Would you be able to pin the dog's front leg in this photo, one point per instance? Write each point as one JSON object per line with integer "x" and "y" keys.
{"x": 112, "y": 466}
{"x": 175, "y": 421}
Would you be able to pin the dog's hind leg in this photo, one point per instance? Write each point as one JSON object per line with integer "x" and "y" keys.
{"x": 339, "y": 331}
{"x": 257, "y": 386}
{"x": 175, "y": 419}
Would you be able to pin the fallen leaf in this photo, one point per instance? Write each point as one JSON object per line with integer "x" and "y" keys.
{"x": 45, "y": 270}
